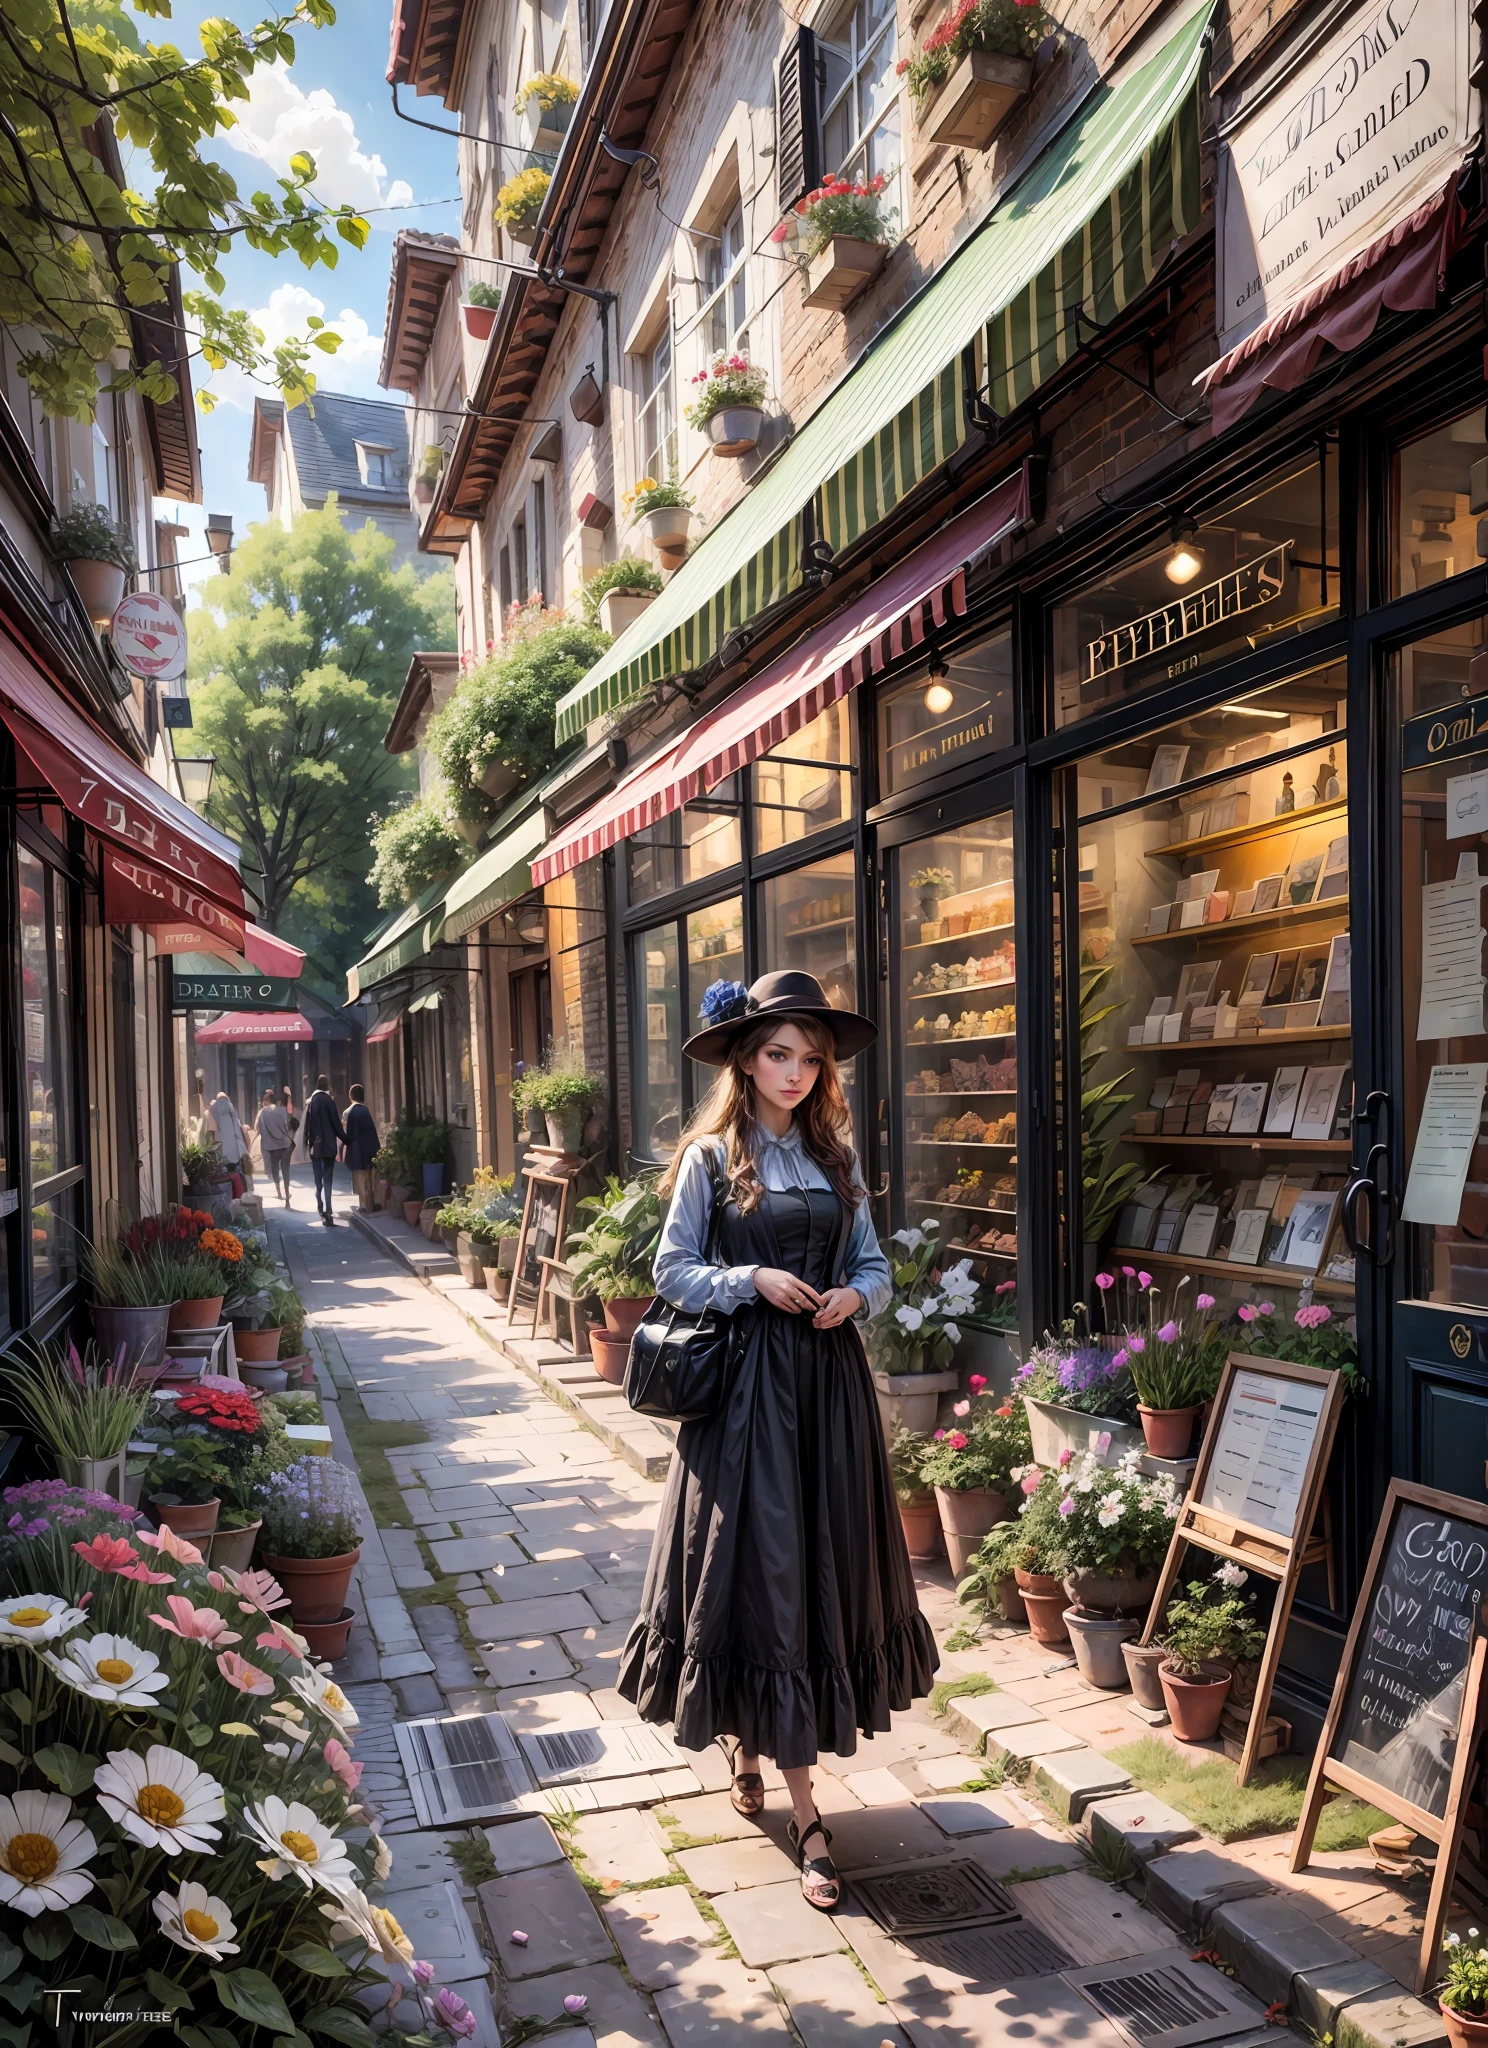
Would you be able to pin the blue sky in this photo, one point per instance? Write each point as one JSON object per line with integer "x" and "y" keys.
{"x": 334, "y": 101}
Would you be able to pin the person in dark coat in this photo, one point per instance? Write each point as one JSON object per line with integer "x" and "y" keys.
{"x": 324, "y": 1133}
{"x": 779, "y": 1606}
{"x": 362, "y": 1145}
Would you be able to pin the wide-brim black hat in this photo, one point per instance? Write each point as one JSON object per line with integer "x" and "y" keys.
{"x": 731, "y": 1008}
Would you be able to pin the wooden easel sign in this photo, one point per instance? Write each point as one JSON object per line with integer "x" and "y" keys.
{"x": 1407, "y": 1711}
{"x": 544, "y": 1214}
{"x": 1256, "y": 1494}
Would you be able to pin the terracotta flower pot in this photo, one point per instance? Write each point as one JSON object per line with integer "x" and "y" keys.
{"x": 1096, "y": 1640}
{"x": 413, "y": 1208}
{"x": 1121, "y": 1589}
{"x": 1010, "y": 1601}
{"x": 479, "y": 320}
{"x": 609, "y": 1350}
{"x": 1464, "y": 2029}
{"x": 1195, "y": 1704}
{"x": 966, "y": 1515}
{"x": 257, "y": 1344}
{"x": 1142, "y": 1661}
{"x": 139, "y": 1333}
{"x": 625, "y": 1313}
{"x": 232, "y": 1549}
{"x": 328, "y": 1638}
{"x": 100, "y": 585}
{"x": 920, "y": 1520}
{"x": 1168, "y": 1431}
{"x": 1044, "y": 1598}
{"x": 316, "y": 1585}
{"x": 202, "y": 1313}
{"x": 196, "y": 1518}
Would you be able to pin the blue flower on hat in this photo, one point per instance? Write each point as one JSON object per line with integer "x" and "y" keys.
{"x": 723, "y": 1000}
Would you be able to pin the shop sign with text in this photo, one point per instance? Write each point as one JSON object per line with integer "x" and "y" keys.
{"x": 232, "y": 992}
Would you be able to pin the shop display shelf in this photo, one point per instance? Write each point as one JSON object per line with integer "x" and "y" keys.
{"x": 1312, "y": 1034}
{"x": 977, "y": 1251}
{"x": 985, "y": 931}
{"x": 966, "y": 1145}
{"x": 971, "y": 1208}
{"x": 1341, "y": 1146}
{"x": 811, "y": 931}
{"x": 1282, "y": 916}
{"x": 1262, "y": 828}
{"x": 971, "y": 1038}
{"x": 967, "y": 988}
{"x": 1279, "y": 1276}
{"x": 961, "y": 1094}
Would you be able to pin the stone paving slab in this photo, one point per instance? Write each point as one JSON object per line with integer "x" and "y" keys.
{"x": 772, "y": 1923}
{"x": 1036, "y": 2012}
{"x": 831, "y": 2005}
{"x": 722, "y": 2005}
{"x": 735, "y": 1866}
{"x": 619, "y": 1848}
{"x": 437, "y": 1924}
{"x": 551, "y": 1907}
{"x": 659, "y": 1933}
{"x": 618, "y": 2017}
{"x": 536, "y": 1617}
{"x": 966, "y": 1813}
{"x": 523, "y": 1845}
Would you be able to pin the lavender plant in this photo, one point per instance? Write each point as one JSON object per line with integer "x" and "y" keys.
{"x": 311, "y": 1509}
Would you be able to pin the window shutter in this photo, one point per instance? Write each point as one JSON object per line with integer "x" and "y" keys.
{"x": 797, "y": 125}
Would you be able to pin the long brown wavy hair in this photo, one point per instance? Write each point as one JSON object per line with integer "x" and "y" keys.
{"x": 727, "y": 1111}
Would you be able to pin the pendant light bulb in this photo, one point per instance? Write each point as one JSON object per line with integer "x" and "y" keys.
{"x": 1187, "y": 557}
{"x": 939, "y": 697}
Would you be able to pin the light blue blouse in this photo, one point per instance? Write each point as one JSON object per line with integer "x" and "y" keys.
{"x": 683, "y": 1275}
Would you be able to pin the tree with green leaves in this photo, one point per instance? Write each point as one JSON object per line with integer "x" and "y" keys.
{"x": 79, "y": 251}
{"x": 297, "y": 659}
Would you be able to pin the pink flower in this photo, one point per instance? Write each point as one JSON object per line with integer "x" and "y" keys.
{"x": 244, "y": 1677}
{"x": 575, "y": 2002}
{"x": 1144, "y": 1279}
{"x": 1122, "y": 1358}
{"x": 1205, "y": 1300}
{"x": 283, "y": 1638}
{"x": 169, "y": 1544}
{"x": 258, "y": 1592}
{"x": 1065, "y": 1456}
{"x": 194, "y": 1624}
{"x": 107, "y": 1553}
{"x": 977, "y": 1382}
{"x": 940, "y": 1436}
{"x": 454, "y": 2015}
{"x": 1268, "y": 1308}
{"x": 780, "y": 233}
{"x": 958, "y": 1440}
{"x": 1312, "y": 1315}
{"x": 1130, "y": 1272}
{"x": 338, "y": 1756}
{"x": 1105, "y": 1280}
{"x": 1168, "y": 1334}
{"x": 1067, "y": 1505}
{"x": 961, "y": 1408}
{"x": 423, "y": 1973}
{"x": 1030, "y": 1479}
{"x": 143, "y": 1575}
{"x": 1246, "y": 1313}
{"x": 1136, "y": 1344}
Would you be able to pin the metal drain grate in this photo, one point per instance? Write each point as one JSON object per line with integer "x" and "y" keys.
{"x": 931, "y": 1898}
{"x": 1166, "y": 2000}
{"x": 462, "y": 1767}
{"x": 991, "y": 1955}
{"x": 616, "y": 1749}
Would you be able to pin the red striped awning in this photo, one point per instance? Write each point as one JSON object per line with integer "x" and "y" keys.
{"x": 250, "y": 1027}
{"x": 892, "y": 615}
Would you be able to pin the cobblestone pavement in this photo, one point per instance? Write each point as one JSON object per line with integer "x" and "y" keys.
{"x": 513, "y": 1534}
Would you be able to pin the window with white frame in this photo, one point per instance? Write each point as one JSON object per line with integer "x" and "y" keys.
{"x": 657, "y": 422}
{"x": 860, "y": 95}
{"x": 723, "y": 273}
{"x": 375, "y": 464}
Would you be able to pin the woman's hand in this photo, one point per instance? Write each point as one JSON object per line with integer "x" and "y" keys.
{"x": 784, "y": 1290}
{"x": 837, "y": 1304}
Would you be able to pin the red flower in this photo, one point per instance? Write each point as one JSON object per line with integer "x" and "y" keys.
{"x": 958, "y": 1440}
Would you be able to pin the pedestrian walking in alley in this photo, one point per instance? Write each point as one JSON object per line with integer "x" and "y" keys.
{"x": 779, "y": 1606}
{"x": 324, "y": 1135}
{"x": 275, "y": 1141}
{"x": 362, "y": 1145}
{"x": 222, "y": 1117}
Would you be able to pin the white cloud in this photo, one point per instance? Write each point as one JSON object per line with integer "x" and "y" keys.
{"x": 353, "y": 367}
{"x": 279, "y": 118}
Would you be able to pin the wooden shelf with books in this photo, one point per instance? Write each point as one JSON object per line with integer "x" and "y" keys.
{"x": 1281, "y": 917}
{"x": 1260, "y": 828}
{"x": 1341, "y": 1146}
{"x": 1230, "y": 1269}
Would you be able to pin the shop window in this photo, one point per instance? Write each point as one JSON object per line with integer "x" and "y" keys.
{"x": 809, "y": 920}
{"x": 701, "y": 839}
{"x": 47, "y": 1000}
{"x": 961, "y": 707}
{"x": 1212, "y": 959}
{"x": 1259, "y": 569}
{"x": 1441, "y": 496}
{"x": 715, "y": 952}
{"x": 658, "y": 1083}
{"x": 805, "y": 784}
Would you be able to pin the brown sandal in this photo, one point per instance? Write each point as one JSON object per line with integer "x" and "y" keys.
{"x": 747, "y": 1789}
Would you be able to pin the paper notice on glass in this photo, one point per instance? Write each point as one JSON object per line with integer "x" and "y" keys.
{"x": 1448, "y": 1130}
{"x": 1265, "y": 1439}
{"x": 1467, "y": 804}
{"x": 1451, "y": 960}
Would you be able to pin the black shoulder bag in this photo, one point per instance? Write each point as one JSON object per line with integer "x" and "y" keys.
{"x": 679, "y": 1358}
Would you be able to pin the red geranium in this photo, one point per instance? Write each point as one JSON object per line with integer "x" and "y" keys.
{"x": 219, "y": 1409}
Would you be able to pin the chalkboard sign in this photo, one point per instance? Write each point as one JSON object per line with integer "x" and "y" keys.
{"x": 543, "y": 1218}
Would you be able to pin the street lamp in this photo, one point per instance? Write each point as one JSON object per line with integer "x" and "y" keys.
{"x": 220, "y": 538}
{"x": 196, "y": 779}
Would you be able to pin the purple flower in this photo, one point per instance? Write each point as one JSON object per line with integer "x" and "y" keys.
{"x": 1105, "y": 1280}
{"x": 454, "y": 2015}
{"x": 1130, "y": 1272}
{"x": 1136, "y": 1343}
{"x": 1268, "y": 1308}
{"x": 1246, "y": 1313}
{"x": 575, "y": 2002}
{"x": 423, "y": 1973}
{"x": 1205, "y": 1301}
{"x": 1067, "y": 1505}
{"x": 1119, "y": 1361}
{"x": 1086, "y": 1367}
{"x": 1144, "y": 1279}
{"x": 1168, "y": 1334}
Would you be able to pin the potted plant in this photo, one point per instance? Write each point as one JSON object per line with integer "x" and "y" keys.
{"x": 729, "y": 405}
{"x": 917, "y": 1510}
{"x": 1202, "y": 1637}
{"x": 1462, "y": 1998}
{"x": 912, "y": 1341}
{"x": 1030, "y": 1545}
{"x": 1078, "y": 1394}
{"x": 520, "y": 201}
{"x": 431, "y": 465}
{"x": 546, "y": 102}
{"x": 972, "y": 70}
{"x": 83, "y": 1407}
{"x": 184, "y": 1484}
{"x": 1316, "y": 1337}
{"x": 990, "y": 1581}
{"x": 610, "y": 1258}
{"x": 1117, "y": 1528}
{"x": 842, "y": 231}
{"x": 311, "y": 1536}
{"x": 204, "y": 1170}
{"x": 288, "y": 1311}
{"x": 99, "y": 557}
{"x": 970, "y": 1466}
{"x": 667, "y": 511}
{"x": 566, "y": 1095}
{"x": 129, "y": 1275}
{"x": 237, "y": 1431}
{"x": 617, "y": 595}
{"x": 481, "y": 304}
{"x": 1175, "y": 1356}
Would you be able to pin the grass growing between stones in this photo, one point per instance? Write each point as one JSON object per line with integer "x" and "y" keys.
{"x": 1270, "y": 1804}
{"x": 370, "y": 1442}
{"x": 966, "y": 1686}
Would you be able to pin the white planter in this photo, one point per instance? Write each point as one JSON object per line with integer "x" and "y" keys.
{"x": 1055, "y": 1430}
{"x": 546, "y": 126}
{"x": 976, "y": 99}
{"x": 621, "y": 608}
{"x": 839, "y": 272}
{"x": 98, "y": 1475}
{"x": 100, "y": 585}
{"x": 735, "y": 429}
{"x": 908, "y": 1400}
{"x": 669, "y": 526}
{"x": 524, "y": 234}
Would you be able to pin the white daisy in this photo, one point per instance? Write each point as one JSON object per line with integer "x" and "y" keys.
{"x": 42, "y": 1850}
{"x": 111, "y": 1668}
{"x": 161, "y": 1799}
{"x": 324, "y": 1694}
{"x": 302, "y": 1845}
{"x": 194, "y": 1920}
{"x": 37, "y": 1618}
{"x": 354, "y": 1918}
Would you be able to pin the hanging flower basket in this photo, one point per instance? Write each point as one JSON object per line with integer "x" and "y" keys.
{"x": 729, "y": 403}
{"x": 479, "y": 320}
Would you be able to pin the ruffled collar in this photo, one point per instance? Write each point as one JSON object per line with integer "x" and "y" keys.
{"x": 791, "y": 1142}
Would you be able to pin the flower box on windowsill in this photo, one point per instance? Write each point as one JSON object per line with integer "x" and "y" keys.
{"x": 840, "y": 271}
{"x": 976, "y": 99}
{"x": 621, "y": 608}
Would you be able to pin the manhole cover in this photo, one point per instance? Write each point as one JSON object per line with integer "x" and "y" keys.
{"x": 1166, "y": 2000}
{"x": 991, "y": 1955}
{"x": 930, "y": 1898}
{"x": 616, "y": 1749}
{"x": 462, "y": 1767}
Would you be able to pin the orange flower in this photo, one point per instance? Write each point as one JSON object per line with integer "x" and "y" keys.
{"x": 222, "y": 1244}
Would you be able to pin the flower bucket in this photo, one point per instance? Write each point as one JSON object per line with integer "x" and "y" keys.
{"x": 966, "y": 1516}
{"x": 98, "y": 1475}
{"x": 139, "y": 1333}
{"x": 232, "y": 1549}
{"x": 100, "y": 585}
{"x": 1056, "y": 1429}
{"x": 1123, "y": 1589}
{"x": 839, "y": 272}
{"x": 1044, "y": 1598}
{"x": 624, "y": 1313}
{"x": 1195, "y": 1704}
{"x": 908, "y": 1400}
{"x": 610, "y": 1352}
{"x": 203, "y": 1313}
{"x": 920, "y": 1520}
{"x": 258, "y": 1345}
{"x": 735, "y": 429}
{"x": 566, "y": 1132}
{"x": 546, "y": 126}
{"x": 1142, "y": 1660}
{"x": 316, "y": 1585}
{"x": 328, "y": 1638}
{"x": 1168, "y": 1431}
{"x": 197, "y": 1518}
{"x": 264, "y": 1375}
{"x": 1096, "y": 1640}
{"x": 433, "y": 1178}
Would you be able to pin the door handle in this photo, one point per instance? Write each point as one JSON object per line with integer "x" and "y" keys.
{"x": 1371, "y": 1180}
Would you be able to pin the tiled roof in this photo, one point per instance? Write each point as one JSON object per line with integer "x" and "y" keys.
{"x": 324, "y": 444}
{"x": 422, "y": 268}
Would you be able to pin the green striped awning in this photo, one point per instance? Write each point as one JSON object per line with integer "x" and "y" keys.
{"x": 500, "y": 876}
{"x": 1088, "y": 226}
{"x": 414, "y": 932}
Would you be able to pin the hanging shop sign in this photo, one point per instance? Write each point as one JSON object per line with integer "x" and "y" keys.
{"x": 1441, "y": 735}
{"x": 232, "y": 992}
{"x": 1249, "y": 588}
{"x": 1364, "y": 130}
{"x": 149, "y": 636}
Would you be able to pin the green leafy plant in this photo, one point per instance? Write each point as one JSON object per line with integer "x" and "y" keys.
{"x": 729, "y": 379}
{"x": 629, "y": 573}
{"x": 1029, "y": 1542}
{"x": 411, "y": 1142}
{"x": 1464, "y": 1978}
{"x": 287, "y": 1311}
{"x": 431, "y": 463}
{"x": 1316, "y": 1337}
{"x": 987, "y": 1445}
{"x": 549, "y": 89}
{"x": 1007, "y": 28}
{"x": 918, "y": 1328}
{"x": 479, "y": 294}
{"x": 560, "y": 1089}
{"x": 940, "y": 880}
{"x": 1112, "y": 1515}
{"x": 520, "y": 199}
{"x": 1107, "y": 1183}
{"x": 1213, "y": 1625}
{"x": 501, "y": 713}
{"x": 907, "y": 1449}
{"x": 610, "y": 1255}
{"x": 185, "y": 1472}
{"x": 412, "y": 848}
{"x": 202, "y": 1162}
{"x": 77, "y": 1403}
{"x": 90, "y": 533}
{"x": 651, "y": 496}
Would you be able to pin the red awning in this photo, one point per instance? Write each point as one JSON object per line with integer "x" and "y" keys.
{"x": 873, "y": 630}
{"x": 380, "y": 1032}
{"x": 135, "y": 891}
{"x": 102, "y": 786}
{"x": 271, "y": 954}
{"x": 1401, "y": 272}
{"x": 264, "y": 1027}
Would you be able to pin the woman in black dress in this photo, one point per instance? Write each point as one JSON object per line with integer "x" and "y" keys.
{"x": 779, "y": 1605}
